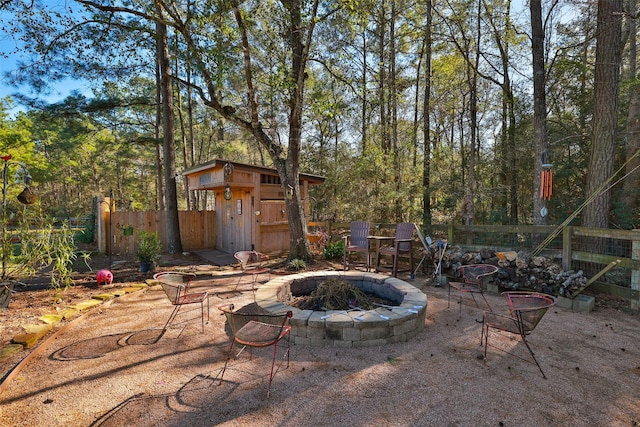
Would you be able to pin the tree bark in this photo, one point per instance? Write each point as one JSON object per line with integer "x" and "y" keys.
{"x": 607, "y": 76}
{"x": 426, "y": 128}
{"x": 539, "y": 109}
{"x": 157, "y": 133}
{"x": 168, "y": 146}
{"x": 631, "y": 185}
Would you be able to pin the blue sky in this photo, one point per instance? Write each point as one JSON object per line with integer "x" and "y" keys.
{"x": 9, "y": 63}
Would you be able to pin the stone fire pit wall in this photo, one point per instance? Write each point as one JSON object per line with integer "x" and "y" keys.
{"x": 348, "y": 328}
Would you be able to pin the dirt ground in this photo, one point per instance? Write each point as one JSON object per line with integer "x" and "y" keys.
{"x": 114, "y": 367}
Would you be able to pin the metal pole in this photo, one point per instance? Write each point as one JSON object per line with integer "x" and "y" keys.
{"x": 110, "y": 229}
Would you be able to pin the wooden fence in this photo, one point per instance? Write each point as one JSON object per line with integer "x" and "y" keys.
{"x": 198, "y": 231}
{"x": 117, "y": 232}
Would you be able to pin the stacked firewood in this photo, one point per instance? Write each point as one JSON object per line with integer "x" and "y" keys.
{"x": 517, "y": 270}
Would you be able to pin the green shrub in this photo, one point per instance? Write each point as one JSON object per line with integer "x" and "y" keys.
{"x": 87, "y": 234}
{"x": 297, "y": 264}
{"x": 334, "y": 249}
{"x": 149, "y": 246}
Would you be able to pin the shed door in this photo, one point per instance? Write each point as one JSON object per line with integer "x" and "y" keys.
{"x": 234, "y": 222}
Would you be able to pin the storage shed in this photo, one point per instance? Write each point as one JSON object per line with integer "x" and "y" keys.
{"x": 249, "y": 202}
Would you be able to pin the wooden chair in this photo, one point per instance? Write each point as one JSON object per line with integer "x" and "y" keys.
{"x": 526, "y": 309}
{"x": 256, "y": 330}
{"x": 176, "y": 287}
{"x": 251, "y": 263}
{"x": 401, "y": 246}
{"x": 475, "y": 278}
{"x": 357, "y": 241}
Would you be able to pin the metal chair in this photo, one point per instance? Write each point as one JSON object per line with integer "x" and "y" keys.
{"x": 526, "y": 309}
{"x": 401, "y": 245}
{"x": 257, "y": 330}
{"x": 251, "y": 263}
{"x": 475, "y": 278}
{"x": 357, "y": 241}
{"x": 176, "y": 286}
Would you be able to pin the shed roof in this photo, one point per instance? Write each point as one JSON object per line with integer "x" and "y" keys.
{"x": 219, "y": 163}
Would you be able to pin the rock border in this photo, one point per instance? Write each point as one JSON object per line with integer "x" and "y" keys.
{"x": 348, "y": 328}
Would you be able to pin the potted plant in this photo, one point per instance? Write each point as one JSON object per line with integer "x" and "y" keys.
{"x": 148, "y": 250}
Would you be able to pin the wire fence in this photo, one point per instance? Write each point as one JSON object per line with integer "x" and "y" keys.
{"x": 590, "y": 251}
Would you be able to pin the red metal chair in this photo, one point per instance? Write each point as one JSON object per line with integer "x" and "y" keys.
{"x": 176, "y": 286}
{"x": 475, "y": 278}
{"x": 357, "y": 241}
{"x": 401, "y": 245}
{"x": 526, "y": 309}
{"x": 251, "y": 263}
{"x": 256, "y": 330}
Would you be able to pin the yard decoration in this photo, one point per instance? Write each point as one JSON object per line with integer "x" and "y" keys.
{"x": 104, "y": 277}
{"x": 27, "y": 196}
{"x": 546, "y": 178}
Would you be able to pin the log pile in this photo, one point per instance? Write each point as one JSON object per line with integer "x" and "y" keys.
{"x": 517, "y": 270}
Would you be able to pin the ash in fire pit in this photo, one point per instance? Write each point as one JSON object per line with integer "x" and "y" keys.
{"x": 359, "y": 327}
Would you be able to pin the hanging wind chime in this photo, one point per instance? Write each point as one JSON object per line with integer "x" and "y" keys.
{"x": 546, "y": 178}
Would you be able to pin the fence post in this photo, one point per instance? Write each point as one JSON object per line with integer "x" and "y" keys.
{"x": 635, "y": 274}
{"x": 566, "y": 248}
{"x": 102, "y": 233}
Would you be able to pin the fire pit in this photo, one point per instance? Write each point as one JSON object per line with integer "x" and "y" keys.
{"x": 348, "y": 328}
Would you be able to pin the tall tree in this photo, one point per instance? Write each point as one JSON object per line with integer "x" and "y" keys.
{"x": 541, "y": 143}
{"x": 168, "y": 128}
{"x": 630, "y": 196}
{"x": 606, "y": 84}
{"x": 426, "y": 119}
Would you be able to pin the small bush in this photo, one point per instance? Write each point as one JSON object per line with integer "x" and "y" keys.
{"x": 84, "y": 236}
{"x": 297, "y": 264}
{"x": 334, "y": 250}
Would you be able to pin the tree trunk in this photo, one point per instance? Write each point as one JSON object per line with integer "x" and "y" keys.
{"x": 393, "y": 98}
{"x": 426, "y": 128}
{"x": 539, "y": 110}
{"x": 183, "y": 134}
{"x": 607, "y": 76}
{"x": 158, "y": 147}
{"x": 468, "y": 208}
{"x": 290, "y": 169}
{"x": 168, "y": 147}
{"x": 365, "y": 98}
{"x": 631, "y": 184}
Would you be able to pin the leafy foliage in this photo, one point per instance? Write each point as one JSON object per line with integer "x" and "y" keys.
{"x": 41, "y": 245}
{"x": 148, "y": 246}
{"x": 297, "y": 264}
{"x": 334, "y": 249}
{"x": 372, "y": 159}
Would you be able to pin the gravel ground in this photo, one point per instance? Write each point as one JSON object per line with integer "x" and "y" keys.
{"x": 111, "y": 369}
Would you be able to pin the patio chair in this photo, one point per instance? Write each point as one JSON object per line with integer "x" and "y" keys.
{"x": 401, "y": 246}
{"x": 251, "y": 263}
{"x": 526, "y": 309}
{"x": 475, "y": 278}
{"x": 257, "y": 330}
{"x": 357, "y": 241}
{"x": 176, "y": 287}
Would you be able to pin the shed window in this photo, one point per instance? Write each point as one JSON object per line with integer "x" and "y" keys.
{"x": 204, "y": 179}
{"x": 269, "y": 179}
